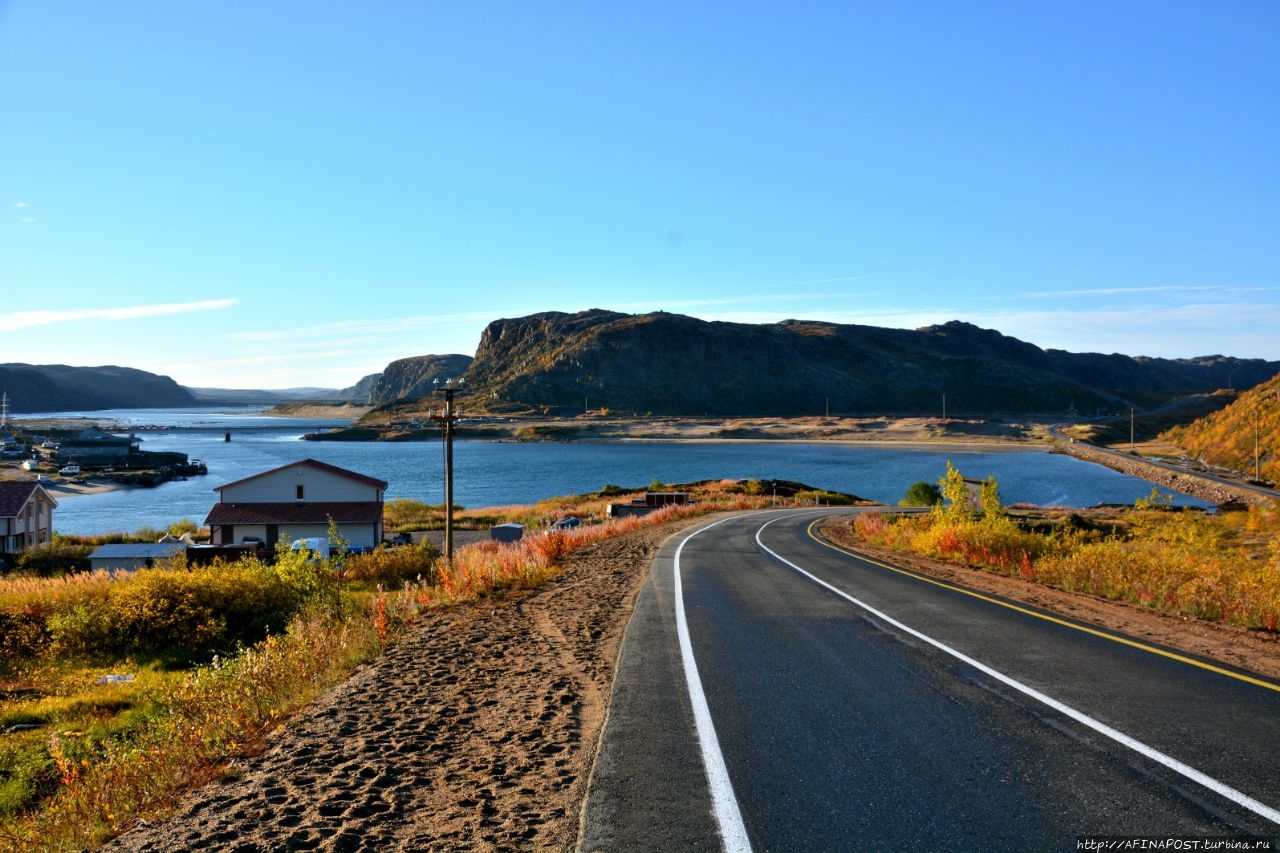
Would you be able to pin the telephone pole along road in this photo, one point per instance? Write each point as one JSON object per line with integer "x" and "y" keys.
{"x": 852, "y": 705}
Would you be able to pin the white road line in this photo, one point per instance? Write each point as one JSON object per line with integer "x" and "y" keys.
{"x": 1241, "y": 799}
{"x": 733, "y": 835}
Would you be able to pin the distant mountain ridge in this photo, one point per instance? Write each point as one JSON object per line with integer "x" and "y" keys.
{"x": 59, "y": 387}
{"x": 673, "y": 364}
{"x": 664, "y": 363}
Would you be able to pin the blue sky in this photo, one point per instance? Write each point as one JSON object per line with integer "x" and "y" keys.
{"x": 265, "y": 194}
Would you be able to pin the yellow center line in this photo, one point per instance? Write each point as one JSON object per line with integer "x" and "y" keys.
{"x": 1046, "y": 617}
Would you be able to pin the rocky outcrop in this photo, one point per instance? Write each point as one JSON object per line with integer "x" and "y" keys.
{"x": 362, "y": 391}
{"x": 671, "y": 364}
{"x": 407, "y": 378}
{"x": 59, "y": 387}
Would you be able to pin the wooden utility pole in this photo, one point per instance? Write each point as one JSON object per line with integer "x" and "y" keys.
{"x": 447, "y": 420}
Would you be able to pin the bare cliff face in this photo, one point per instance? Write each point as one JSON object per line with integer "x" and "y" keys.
{"x": 671, "y": 364}
{"x": 408, "y": 378}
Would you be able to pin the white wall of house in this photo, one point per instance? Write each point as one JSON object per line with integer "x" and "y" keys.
{"x": 356, "y": 535}
{"x": 289, "y": 503}
{"x": 317, "y": 486}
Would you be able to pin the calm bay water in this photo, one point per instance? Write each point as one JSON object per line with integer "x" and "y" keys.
{"x": 492, "y": 473}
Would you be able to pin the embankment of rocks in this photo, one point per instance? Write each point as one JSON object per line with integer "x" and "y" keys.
{"x": 1186, "y": 482}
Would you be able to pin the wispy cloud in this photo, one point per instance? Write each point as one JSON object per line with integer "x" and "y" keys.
{"x": 27, "y": 219}
{"x": 273, "y": 358}
{"x": 1134, "y": 291}
{"x": 372, "y": 326}
{"x": 29, "y": 319}
{"x": 20, "y": 204}
{"x": 837, "y": 280}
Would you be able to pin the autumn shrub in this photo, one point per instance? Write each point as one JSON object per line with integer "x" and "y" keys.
{"x": 55, "y": 558}
{"x": 820, "y": 497}
{"x": 24, "y": 634}
{"x": 1154, "y": 555}
{"x": 481, "y": 568}
{"x": 191, "y": 724}
{"x": 184, "y": 613}
{"x": 391, "y": 567}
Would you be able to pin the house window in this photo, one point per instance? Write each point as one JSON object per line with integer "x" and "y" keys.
{"x": 299, "y": 488}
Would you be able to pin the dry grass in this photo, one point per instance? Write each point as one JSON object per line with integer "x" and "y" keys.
{"x": 1217, "y": 567}
{"x": 170, "y": 731}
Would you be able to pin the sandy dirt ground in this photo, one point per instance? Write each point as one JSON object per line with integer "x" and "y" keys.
{"x": 960, "y": 433}
{"x": 475, "y": 733}
{"x": 478, "y": 731}
{"x": 62, "y": 487}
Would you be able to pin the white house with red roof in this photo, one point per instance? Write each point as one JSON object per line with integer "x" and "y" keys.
{"x": 298, "y": 501}
{"x": 26, "y": 515}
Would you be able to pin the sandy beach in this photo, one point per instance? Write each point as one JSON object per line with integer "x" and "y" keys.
{"x": 62, "y": 487}
{"x": 952, "y": 433}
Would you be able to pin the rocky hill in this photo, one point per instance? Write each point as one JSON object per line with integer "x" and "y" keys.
{"x": 408, "y": 378}
{"x": 1243, "y": 436}
{"x": 672, "y": 364}
{"x": 58, "y": 387}
{"x": 362, "y": 391}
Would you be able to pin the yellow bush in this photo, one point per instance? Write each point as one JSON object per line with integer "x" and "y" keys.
{"x": 391, "y": 567}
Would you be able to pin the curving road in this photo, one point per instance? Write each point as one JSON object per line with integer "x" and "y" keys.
{"x": 777, "y": 693}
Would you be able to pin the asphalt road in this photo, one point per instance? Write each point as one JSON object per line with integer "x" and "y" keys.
{"x": 839, "y": 704}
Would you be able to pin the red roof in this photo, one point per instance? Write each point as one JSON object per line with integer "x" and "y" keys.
{"x": 14, "y": 495}
{"x": 312, "y": 463}
{"x": 352, "y": 512}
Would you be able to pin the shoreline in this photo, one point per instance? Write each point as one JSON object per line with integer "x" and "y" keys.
{"x": 933, "y": 435}
{"x": 944, "y": 445}
{"x": 66, "y": 490}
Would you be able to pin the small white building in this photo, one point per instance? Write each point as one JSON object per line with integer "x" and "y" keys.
{"x": 127, "y": 556}
{"x": 298, "y": 501}
{"x": 26, "y": 515}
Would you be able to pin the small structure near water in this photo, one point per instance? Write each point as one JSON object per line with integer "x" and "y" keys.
{"x": 506, "y": 532}
{"x": 128, "y": 556}
{"x": 122, "y": 457}
{"x": 649, "y": 503}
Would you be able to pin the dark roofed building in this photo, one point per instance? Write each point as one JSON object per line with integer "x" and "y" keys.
{"x": 26, "y": 515}
{"x": 95, "y": 447}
